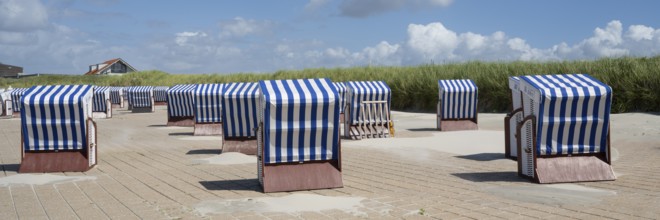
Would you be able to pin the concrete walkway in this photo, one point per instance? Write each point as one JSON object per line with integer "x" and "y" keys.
{"x": 149, "y": 171}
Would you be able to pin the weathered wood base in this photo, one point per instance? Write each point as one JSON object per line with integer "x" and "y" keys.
{"x": 244, "y": 146}
{"x": 458, "y": 125}
{"x": 160, "y": 103}
{"x": 301, "y": 176}
{"x": 573, "y": 169}
{"x": 99, "y": 115}
{"x": 117, "y": 106}
{"x": 181, "y": 121}
{"x": 46, "y": 162}
{"x": 211, "y": 129}
{"x": 149, "y": 109}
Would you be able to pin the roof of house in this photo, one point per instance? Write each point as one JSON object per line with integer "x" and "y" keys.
{"x": 108, "y": 63}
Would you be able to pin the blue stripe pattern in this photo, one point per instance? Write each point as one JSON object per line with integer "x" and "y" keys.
{"x": 359, "y": 91}
{"x": 54, "y": 117}
{"x": 160, "y": 93}
{"x": 459, "y": 98}
{"x": 573, "y": 113}
{"x": 115, "y": 95}
{"x": 140, "y": 96}
{"x": 208, "y": 106}
{"x": 300, "y": 120}
{"x": 180, "y": 100}
{"x": 341, "y": 89}
{"x": 239, "y": 109}
{"x": 101, "y": 94}
{"x": 16, "y": 95}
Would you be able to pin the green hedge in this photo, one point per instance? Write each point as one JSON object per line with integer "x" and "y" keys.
{"x": 635, "y": 81}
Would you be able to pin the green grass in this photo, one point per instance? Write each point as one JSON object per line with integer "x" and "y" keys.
{"x": 635, "y": 81}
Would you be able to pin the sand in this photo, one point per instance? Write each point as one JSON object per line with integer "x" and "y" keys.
{"x": 229, "y": 158}
{"x": 294, "y": 203}
{"x": 41, "y": 179}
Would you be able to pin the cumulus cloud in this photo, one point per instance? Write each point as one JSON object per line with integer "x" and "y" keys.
{"x": 364, "y": 8}
{"x": 22, "y": 15}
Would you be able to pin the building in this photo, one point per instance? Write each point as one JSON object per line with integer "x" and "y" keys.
{"x": 111, "y": 67}
{"x": 10, "y": 71}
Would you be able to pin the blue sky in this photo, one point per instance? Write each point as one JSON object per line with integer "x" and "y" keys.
{"x": 207, "y": 36}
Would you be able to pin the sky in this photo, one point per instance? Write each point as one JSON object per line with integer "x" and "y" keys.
{"x": 210, "y": 36}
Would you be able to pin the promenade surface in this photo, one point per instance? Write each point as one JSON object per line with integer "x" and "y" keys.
{"x": 149, "y": 171}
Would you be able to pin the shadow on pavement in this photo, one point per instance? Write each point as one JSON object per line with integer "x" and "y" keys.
{"x": 483, "y": 156}
{"x": 491, "y": 177}
{"x": 241, "y": 184}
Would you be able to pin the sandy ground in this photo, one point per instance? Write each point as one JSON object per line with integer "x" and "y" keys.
{"x": 150, "y": 171}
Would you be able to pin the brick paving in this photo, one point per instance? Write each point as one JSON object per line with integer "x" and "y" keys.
{"x": 148, "y": 171}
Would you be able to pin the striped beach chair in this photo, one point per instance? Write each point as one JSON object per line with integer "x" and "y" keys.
{"x": 367, "y": 111}
{"x": 208, "y": 109}
{"x": 140, "y": 99}
{"x": 457, "y": 105}
{"x": 101, "y": 106}
{"x": 564, "y": 136}
{"x": 117, "y": 97}
{"x": 57, "y": 129}
{"x": 160, "y": 95}
{"x": 239, "y": 117}
{"x": 6, "y": 104}
{"x": 298, "y": 135}
{"x": 16, "y": 95}
{"x": 341, "y": 89}
{"x": 512, "y": 119}
{"x": 180, "y": 105}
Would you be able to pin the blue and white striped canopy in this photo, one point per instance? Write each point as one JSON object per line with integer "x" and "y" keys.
{"x": 54, "y": 117}
{"x": 341, "y": 89}
{"x": 459, "y": 98}
{"x": 239, "y": 109}
{"x": 359, "y": 91}
{"x": 208, "y": 106}
{"x": 101, "y": 94}
{"x": 115, "y": 94}
{"x": 16, "y": 95}
{"x": 140, "y": 96}
{"x": 180, "y": 100}
{"x": 160, "y": 93}
{"x": 300, "y": 120}
{"x": 573, "y": 112}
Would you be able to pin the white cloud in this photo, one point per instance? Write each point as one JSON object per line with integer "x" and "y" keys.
{"x": 364, "y": 8}
{"x": 240, "y": 27}
{"x": 432, "y": 40}
{"x": 22, "y": 15}
{"x": 183, "y": 37}
{"x": 641, "y": 32}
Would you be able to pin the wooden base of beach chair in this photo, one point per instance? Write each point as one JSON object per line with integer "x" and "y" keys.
{"x": 117, "y": 106}
{"x": 242, "y": 145}
{"x": 356, "y": 132}
{"x": 210, "y": 129}
{"x": 301, "y": 176}
{"x": 572, "y": 169}
{"x": 99, "y": 115}
{"x": 16, "y": 114}
{"x": 149, "y": 109}
{"x": 458, "y": 125}
{"x": 46, "y": 162}
{"x": 160, "y": 103}
{"x": 181, "y": 121}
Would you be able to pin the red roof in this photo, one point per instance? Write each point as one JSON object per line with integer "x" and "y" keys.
{"x": 108, "y": 65}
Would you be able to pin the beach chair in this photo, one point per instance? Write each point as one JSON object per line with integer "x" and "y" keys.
{"x": 140, "y": 99}
{"x": 117, "y": 97}
{"x": 512, "y": 119}
{"x": 101, "y": 106}
{"x": 298, "y": 135}
{"x": 239, "y": 118}
{"x": 208, "y": 109}
{"x": 58, "y": 133}
{"x": 160, "y": 95}
{"x": 564, "y": 136}
{"x": 180, "y": 105}
{"x": 367, "y": 111}
{"x": 6, "y": 110}
{"x": 457, "y": 105}
{"x": 341, "y": 89}
{"x": 16, "y": 95}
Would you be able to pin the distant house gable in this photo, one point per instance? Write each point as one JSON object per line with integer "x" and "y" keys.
{"x": 10, "y": 70}
{"x": 111, "y": 67}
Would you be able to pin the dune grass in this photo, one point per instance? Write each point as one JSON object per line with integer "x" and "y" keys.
{"x": 635, "y": 81}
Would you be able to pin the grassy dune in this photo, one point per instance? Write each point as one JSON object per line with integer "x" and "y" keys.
{"x": 635, "y": 81}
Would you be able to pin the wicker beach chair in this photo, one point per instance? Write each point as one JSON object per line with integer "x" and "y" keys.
{"x": 180, "y": 105}
{"x": 457, "y": 105}
{"x": 208, "y": 109}
{"x": 367, "y": 111}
